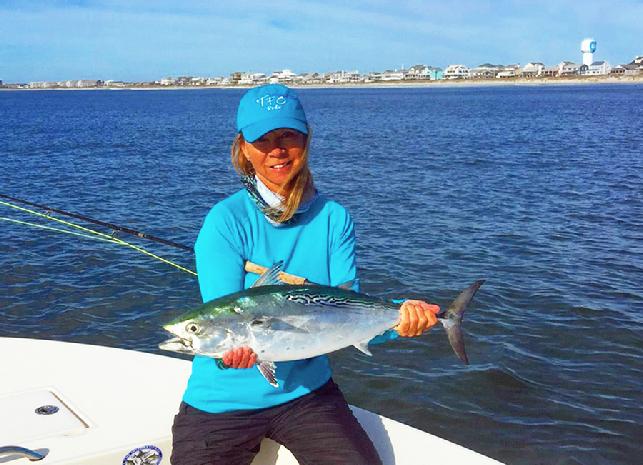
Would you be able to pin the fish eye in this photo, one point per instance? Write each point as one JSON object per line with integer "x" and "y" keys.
{"x": 192, "y": 328}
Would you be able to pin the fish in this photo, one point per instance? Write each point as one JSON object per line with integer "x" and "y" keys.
{"x": 282, "y": 322}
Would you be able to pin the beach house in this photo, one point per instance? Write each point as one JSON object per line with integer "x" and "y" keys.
{"x": 533, "y": 69}
{"x": 251, "y": 79}
{"x": 423, "y": 73}
{"x": 456, "y": 72}
{"x": 343, "y": 77}
{"x": 509, "y": 71}
{"x": 568, "y": 68}
{"x": 598, "y": 68}
{"x": 285, "y": 76}
{"x": 485, "y": 71}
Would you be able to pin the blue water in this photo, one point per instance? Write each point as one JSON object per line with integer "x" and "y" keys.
{"x": 537, "y": 189}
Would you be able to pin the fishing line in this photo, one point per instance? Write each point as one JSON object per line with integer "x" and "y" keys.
{"x": 111, "y": 226}
{"x": 103, "y": 236}
{"x": 42, "y": 226}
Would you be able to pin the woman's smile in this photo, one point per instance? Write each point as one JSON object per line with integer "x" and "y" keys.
{"x": 282, "y": 166}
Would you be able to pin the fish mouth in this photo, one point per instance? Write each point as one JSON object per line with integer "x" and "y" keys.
{"x": 178, "y": 344}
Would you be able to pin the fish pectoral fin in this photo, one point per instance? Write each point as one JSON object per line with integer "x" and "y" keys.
{"x": 267, "y": 370}
{"x": 363, "y": 347}
{"x": 270, "y": 276}
{"x": 277, "y": 324}
{"x": 348, "y": 285}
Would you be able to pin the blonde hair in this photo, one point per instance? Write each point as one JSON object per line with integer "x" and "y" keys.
{"x": 294, "y": 189}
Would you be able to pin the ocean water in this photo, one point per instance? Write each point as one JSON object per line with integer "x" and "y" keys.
{"x": 539, "y": 190}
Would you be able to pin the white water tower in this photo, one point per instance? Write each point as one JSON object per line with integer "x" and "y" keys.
{"x": 588, "y": 47}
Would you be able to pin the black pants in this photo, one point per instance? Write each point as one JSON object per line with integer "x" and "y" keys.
{"x": 318, "y": 428}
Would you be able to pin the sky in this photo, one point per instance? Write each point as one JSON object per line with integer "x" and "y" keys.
{"x": 135, "y": 40}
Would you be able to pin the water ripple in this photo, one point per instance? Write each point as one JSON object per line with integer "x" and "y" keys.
{"x": 521, "y": 186}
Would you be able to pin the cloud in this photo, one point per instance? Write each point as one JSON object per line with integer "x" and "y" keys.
{"x": 146, "y": 40}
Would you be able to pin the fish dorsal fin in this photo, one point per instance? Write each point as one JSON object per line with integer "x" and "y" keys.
{"x": 270, "y": 276}
{"x": 267, "y": 370}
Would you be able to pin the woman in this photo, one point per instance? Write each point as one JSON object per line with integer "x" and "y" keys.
{"x": 228, "y": 407}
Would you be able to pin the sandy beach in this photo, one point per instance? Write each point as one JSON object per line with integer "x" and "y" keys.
{"x": 508, "y": 82}
{"x": 443, "y": 83}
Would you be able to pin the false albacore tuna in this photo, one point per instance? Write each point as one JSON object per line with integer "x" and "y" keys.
{"x": 283, "y": 322}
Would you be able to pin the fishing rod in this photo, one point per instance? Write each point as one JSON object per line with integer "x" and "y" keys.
{"x": 111, "y": 226}
{"x": 92, "y": 233}
{"x": 249, "y": 266}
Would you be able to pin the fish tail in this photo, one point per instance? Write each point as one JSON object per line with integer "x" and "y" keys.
{"x": 451, "y": 319}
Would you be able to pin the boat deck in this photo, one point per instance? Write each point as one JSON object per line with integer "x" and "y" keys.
{"x": 79, "y": 404}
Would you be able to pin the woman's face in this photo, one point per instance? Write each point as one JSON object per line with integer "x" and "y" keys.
{"x": 276, "y": 156}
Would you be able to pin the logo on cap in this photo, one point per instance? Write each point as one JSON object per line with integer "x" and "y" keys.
{"x": 271, "y": 102}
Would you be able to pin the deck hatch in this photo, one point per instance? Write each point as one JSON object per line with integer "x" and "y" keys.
{"x": 36, "y": 414}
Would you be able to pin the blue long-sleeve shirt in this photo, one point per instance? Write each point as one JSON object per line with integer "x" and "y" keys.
{"x": 319, "y": 245}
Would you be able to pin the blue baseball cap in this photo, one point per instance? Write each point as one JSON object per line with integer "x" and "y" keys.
{"x": 265, "y": 108}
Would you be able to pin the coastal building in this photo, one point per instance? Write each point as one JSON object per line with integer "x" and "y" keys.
{"x": 285, "y": 76}
{"x": 85, "y": 83}
{"x": 235, "y": 77}
{"x": 598, "y": 68}
{"x": 634, "y": 68}
{"x": 183, "y": 81}
{"x": 423, "y": 73}
{"x": 618, "y": 70}
{"x": 214, "y": 81}
{"x": 392, "y": 75}
{"x": 550, "y": 71}
{"x": 343, "y": 77}
{"x": 456, "y": 72}
{"x": 485, "y": 71}
{"x": 490, "y": 71}
{"x": 509, "y": 71}
{"x": 389, "y": 75}
{"x": 250, "y": 79}
{"x": 312, "y": 78}
{"x": 568, "y": 68}
{"x": 70, "y": 84}
{"x": 533, "y": 69}
{"x": 41, "y": 85}
{"x": 179, "y": 81}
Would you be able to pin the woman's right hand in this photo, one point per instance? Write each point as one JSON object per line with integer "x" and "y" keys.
{"x": 241, "y": 357}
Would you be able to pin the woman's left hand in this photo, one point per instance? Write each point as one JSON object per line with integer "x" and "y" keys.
{"x": 416, "y": 316}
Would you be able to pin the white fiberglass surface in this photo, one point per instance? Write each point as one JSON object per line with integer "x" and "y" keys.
{"x": 36, "y": 414}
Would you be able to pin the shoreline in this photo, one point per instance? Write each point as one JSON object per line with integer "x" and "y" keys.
{"x": 443, "y": 83}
